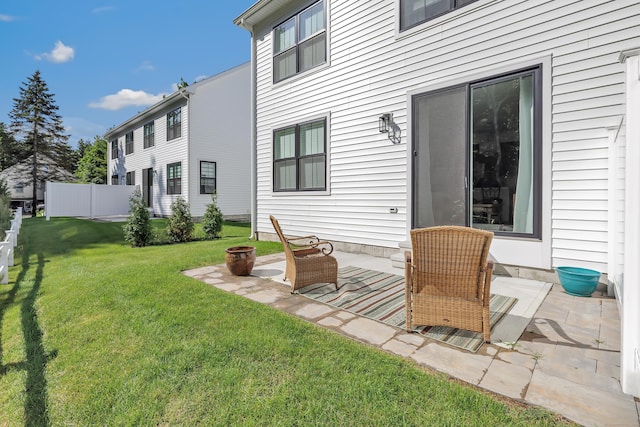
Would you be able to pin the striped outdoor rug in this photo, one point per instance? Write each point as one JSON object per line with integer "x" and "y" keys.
{"x": 380, "y": 296}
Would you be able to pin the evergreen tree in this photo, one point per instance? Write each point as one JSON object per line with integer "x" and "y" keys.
{"x": 137, "y": 230}
{"x": 92, "y": 167}
{"x": 83, "y": 146}
{"x": 10, "y": 150}
{"x": 4, "y": 188}
{"x": 180, "y": 225}
{"x": 212, "y": 220}
{"x": 36, "y": 123}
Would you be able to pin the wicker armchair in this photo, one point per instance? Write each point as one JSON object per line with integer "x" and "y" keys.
{"x": 308, "y": 260}
{"x": 448, "y": 278}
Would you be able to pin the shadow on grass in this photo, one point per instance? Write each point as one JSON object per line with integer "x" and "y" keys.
{"x": 35, "y": 403}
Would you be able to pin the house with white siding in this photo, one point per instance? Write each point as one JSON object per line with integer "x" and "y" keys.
{"x": 19, "y": 180}
{"x": 191, "y": 144}
{"x": 374, "y": 117}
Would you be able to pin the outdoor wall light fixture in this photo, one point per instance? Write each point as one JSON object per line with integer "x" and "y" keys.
{"x": 384, "y": 122}
{"x": 388, "y": 126}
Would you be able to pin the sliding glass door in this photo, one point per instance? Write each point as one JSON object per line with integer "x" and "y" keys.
{"x": 476, "y": 155}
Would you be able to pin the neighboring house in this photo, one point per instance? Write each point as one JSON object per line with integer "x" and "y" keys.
{"x": 375, "y": 117}
{"x": 192, "y": 143}
{"x": 20, "y": 181}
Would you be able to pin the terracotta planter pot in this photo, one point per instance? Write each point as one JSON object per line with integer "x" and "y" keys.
{"x": 240, "y": 259}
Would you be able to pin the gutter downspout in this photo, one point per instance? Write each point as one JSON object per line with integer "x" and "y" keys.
{"x": 185, "y": 94}
{"x": 254, "y": 126}
{"x": 254, "y": 142}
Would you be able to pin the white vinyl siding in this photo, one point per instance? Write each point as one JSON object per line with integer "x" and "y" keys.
{"x": 213, "y": 128}
{"x": 374, "y": 68}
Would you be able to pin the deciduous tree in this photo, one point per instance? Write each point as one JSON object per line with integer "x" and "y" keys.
{"x": 92, "y": 167}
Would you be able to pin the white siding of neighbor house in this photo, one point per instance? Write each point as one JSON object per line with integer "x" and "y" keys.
{"x": 221, "y": 133}
{"x": 158, "y": 156}
{"x": 372, "y": 69}
{"x": 215, "y": 127}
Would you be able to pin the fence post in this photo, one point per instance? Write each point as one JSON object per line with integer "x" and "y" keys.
{"x": 18, "y": 217}
{"x": 4, "y": 264}
{"x": 11, "y": 240}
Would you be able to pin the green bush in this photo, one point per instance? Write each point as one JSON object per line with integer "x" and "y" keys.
{"x": 137, "y": 230}
{"x": 212, "y": 220}
{"x": 180, "y": 224}
{"x": 5, "y": 213}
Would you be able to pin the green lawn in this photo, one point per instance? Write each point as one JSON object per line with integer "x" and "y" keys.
{"x": 94, "y": 332}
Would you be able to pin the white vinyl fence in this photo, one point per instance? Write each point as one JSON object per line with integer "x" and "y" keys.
{"x": 86, "y": 200}
{"x": 8, "y": 245}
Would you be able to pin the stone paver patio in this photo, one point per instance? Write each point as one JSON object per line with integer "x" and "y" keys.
{"x": 568, "y": 359}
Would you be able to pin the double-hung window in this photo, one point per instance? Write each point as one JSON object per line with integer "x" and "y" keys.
{"x": 114, "y": 149}
{"x": 207, "y": 177}
{"x": 174, "y": 124}
{"x": 131, "y": 178}
{"x": 415, "y": 12}
{"x": 300, "y": 157}
{"x": 128, "y": 143}
{"x": 300, "y": 43}
{"x": 115, "y": 180}
{"x": 174, "y": 178}
{"x": 149, "y": 135}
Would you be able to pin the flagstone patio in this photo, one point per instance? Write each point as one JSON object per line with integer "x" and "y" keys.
{"x": 567, "y": 360}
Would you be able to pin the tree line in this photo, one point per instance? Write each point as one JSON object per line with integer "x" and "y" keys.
{"x": 35, "y": 142}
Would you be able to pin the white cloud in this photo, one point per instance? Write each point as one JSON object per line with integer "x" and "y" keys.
{"x": 126, "y": 98}
{"x": 146, "y": 66}
{"x": 59, "y": 54}
{"x": 102, "y": 9}
{"x": 7, "y": 18}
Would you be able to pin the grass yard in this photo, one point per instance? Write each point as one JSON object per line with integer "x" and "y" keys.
{"x": 94, "y": 332}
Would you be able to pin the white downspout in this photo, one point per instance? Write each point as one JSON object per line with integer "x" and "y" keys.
{"x": 630, "y": 315}
{"x": 186, "y": 95}
{"x": 254, "y": 142}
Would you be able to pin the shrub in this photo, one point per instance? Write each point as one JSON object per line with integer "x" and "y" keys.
{"x": 212, "y": 220}
{"x": 180, "y": 224}
{"x": 137, "y": 230}
{"x": 5, "y": 213}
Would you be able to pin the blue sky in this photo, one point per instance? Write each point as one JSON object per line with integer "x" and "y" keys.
{"x": 107, "y": 60}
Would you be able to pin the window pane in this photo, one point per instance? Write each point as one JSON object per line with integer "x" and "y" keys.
{"x": 207, "y": 185}
{"x": 312, "y": 52}
{"x": 417, "y": 11}
{"x": 285, "y": 144}
{"x": 312, "y": 21}
{"x": 502, "y": 138}
{"x": 440, "y": 161}
{"x": 284, "y": 65}
{"x": 285, "y": 175}
{"x": 312, "y": 138}
{"x": 208, "y": 169}
{"x": 284, "y": 36}
{"x": 312, "y": 173}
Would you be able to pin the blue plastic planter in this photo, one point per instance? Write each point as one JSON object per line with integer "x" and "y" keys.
{"x": 578, "y": 281}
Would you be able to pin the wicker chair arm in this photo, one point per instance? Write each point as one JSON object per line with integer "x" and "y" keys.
{"x": 321, "y": 245}
{"x": 297, "y": 241}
